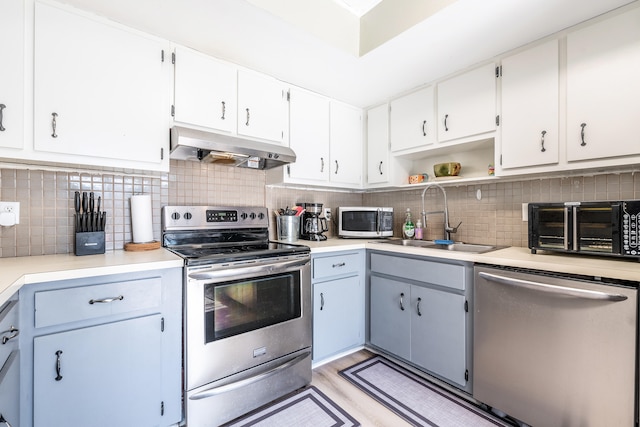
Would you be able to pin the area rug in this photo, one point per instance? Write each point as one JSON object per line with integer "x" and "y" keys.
{"x": 306, "y": 408}
{"x": 418, "y": 401}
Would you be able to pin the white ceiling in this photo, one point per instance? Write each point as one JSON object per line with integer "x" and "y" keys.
{"x": 459, "y": 35}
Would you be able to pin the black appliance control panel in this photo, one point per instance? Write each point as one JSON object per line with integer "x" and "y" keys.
{"x": 631, "y": 227}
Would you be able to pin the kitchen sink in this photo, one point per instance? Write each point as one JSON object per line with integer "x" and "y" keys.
{"x": 455, "y": 247}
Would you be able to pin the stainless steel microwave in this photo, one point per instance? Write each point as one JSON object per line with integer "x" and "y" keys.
{"x": 590, "y": 228}
{"x": 365, "y": 222}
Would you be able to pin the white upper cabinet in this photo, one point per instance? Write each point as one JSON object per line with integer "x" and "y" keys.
{"x": 467, "y": 104}
{"x": 378, "y": 144}
{"x": 346, "y": 144}
{"x": 100, "y": 92}
{"x": 413, "y": 123}
{"x": 262, "y": 106}
{"x": 309, "y": 136}
{"x": 12, "y": 78}
{"x": 529, "y": 118}
{"x": 204, "y": 91}
{"x": 603, "y": 93}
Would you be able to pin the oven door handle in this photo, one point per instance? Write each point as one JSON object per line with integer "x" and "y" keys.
{"x": 250, "y": 380}
{"x": 271, "y": 268}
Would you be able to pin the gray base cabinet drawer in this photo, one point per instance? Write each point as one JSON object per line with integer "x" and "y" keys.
{"x": 448, "y": 275}
{"x": 337, "y": 265}
{"x": 88, "y": 302}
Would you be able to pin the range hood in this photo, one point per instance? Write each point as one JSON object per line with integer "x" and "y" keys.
{"x": 209, "y": 147}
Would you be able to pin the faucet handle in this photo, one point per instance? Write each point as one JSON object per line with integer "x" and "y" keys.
{"x": 454, "y": 229}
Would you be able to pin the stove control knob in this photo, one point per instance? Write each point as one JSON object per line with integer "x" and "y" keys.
{"x": 252, "y": 216}
{"x": 261, "y": 215}
{"x": 243, "y": 215}
{"x": 175, "y": 216}
{"x": 187, "y": 215}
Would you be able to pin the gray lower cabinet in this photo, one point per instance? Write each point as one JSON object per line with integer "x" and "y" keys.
{"x": 104, "y": 351}
{"x": 9, "y": 363}
{"x": 419, "y": 312}
{"x": 338, "y": 303}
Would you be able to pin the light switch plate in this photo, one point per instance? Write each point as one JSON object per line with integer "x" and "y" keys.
{"x": 525, "y": 211}
{"x": 327, "y": 213}
{"x": 8, "y": 208}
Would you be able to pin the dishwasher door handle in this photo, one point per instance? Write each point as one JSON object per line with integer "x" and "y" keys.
{"x": 553, "y": 289}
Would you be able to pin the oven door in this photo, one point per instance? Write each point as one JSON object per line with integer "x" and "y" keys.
{"x": 241, "y": 316}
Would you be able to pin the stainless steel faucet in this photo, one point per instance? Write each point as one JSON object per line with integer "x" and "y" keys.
{"x": 447, "y": 228}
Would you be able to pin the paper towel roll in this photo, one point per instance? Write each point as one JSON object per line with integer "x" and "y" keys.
{"x": 141, "y": 218}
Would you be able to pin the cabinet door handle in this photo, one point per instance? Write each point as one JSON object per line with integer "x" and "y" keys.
{"x": 321, "y": 164}
{"x": 402, "y": 301}
{"x": 106, "y": 300}
{"x": 418, "y": 306}
{"x": 58, "y": 365}
{"x": 2, "y": 107}
{"x": 321, "y": 301}
{"x": 446, "y": 129}
{"x": 336, "y": 172}
{"x": 13, "y": 331}
{"x": 424, "y": 130}
{"x": 380, "y": 168}
{"x": 583, "y": 125}
{"x": 54, "y": 124}
{"x": 224, "y": 110}
{"x": 248, "y": 117}
{"x": 543, "y": 133}
{"x": 3, "y": 421}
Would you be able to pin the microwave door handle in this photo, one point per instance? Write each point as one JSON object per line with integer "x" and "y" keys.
{"x": 378, "y": 221}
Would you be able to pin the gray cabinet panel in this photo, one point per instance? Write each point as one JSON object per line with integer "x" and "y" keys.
{"x": 96, "y": 362}
{"x": 390, "y": 318}
{"x": 9, "y": 389}
{"x": 438, "y": 273}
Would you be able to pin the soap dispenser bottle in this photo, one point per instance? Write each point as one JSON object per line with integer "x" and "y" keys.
{"x": 408, "y": 229}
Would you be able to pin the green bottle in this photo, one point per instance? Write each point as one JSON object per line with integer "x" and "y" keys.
{"x": 408, "y": 229}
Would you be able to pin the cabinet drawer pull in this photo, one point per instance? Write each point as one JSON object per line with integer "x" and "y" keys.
{"x": 340, "y": 264}
{"x": 224, "y": 110}
{"x": 54, "y": 124}
{"x": 106, "y": 300}
{"x": 380, "y": 168}
{"x": 583, "y": 125}
{"x": 543, "y": 133}
{"x": 14, "y": 333}
{"x": 248, "y": 116}
{"x": 3, "y": 421}
{"x": 58, "y": 365}
{"x": 321, "y": 164}
{"x": 402, "y": 301}
{"x": 424, "y": 131}
{"x": 321, "y": 301}
{"x": 2, "y": 128}
{"x": 418, "y": 306}
{"x": 336, "y": 172}
{"x": 446, "y": 129}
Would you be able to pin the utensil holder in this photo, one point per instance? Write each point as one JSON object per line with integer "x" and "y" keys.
{"x": 89, "y": 243}
{"x": 288, "y": 228}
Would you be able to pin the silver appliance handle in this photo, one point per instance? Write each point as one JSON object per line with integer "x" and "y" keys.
{"x": 250, "y": 380}
{"x": 566, "y": 228}
{"x": 575, "y": 229}
{"x": 554, "y": 289}
{"x": 268, "y": 268}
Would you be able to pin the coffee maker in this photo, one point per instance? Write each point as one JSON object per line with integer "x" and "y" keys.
{"x": 312, "y": 225}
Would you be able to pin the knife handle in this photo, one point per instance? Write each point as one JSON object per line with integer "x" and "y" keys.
{"x": 92, "y": 202}
{"x": 85, "y": 202}
{"x": 103, "y": 221}
{"x": 77, "y": 202}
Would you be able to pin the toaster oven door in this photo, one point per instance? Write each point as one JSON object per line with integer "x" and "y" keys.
{"x": 549, "y": 227}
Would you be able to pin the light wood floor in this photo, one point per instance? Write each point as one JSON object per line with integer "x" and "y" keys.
{"x": 358, "y": 404}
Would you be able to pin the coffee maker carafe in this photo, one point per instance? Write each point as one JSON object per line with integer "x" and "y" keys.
{"x": 313, "y": 225}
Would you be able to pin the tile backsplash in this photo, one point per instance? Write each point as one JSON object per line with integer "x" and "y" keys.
{"x": 490, "y": 212}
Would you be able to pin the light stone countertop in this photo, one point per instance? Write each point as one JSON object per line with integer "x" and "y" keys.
{"x": 614, "y": 268}
{"x": 18, "y": 271}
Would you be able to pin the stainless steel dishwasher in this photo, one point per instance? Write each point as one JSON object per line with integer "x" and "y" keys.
{"x": 555, "y": 351}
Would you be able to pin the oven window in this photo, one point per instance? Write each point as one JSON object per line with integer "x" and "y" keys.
{"x": 359, "y": 220}
{"x": 233, "y": 308}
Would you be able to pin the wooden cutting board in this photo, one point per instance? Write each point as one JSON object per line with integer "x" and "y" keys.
{"x": 137, "y": 247}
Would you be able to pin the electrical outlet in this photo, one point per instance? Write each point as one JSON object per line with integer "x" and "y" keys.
{"x": 327, "y": 213}
{"x": 10, "y": 212}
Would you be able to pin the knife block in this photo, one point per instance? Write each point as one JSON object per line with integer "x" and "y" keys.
{"x": 89, "y": 243}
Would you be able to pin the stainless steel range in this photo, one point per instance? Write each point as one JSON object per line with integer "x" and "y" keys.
{"x": 247, "y": 310}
